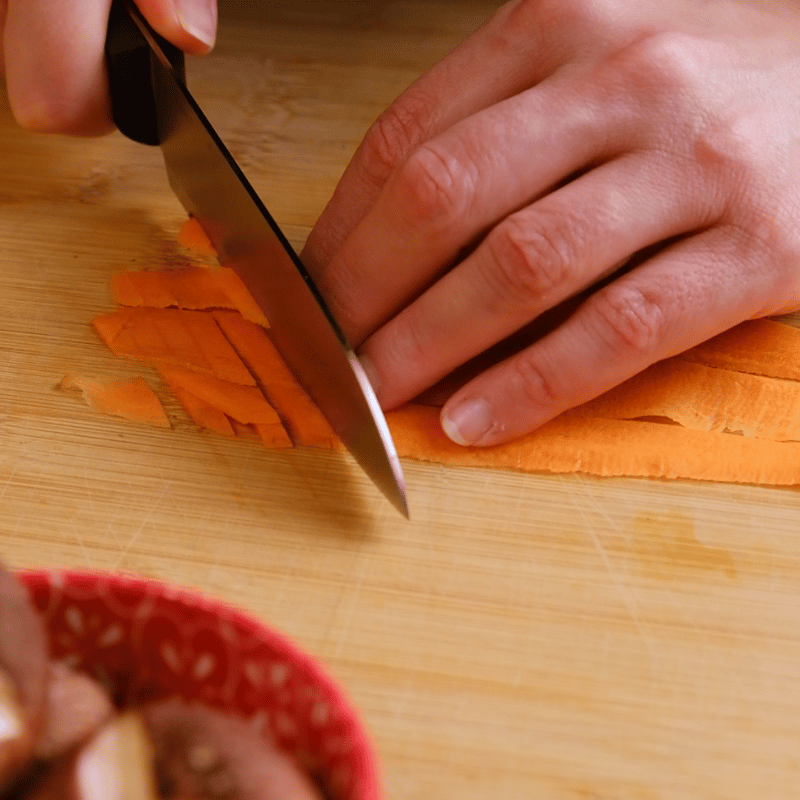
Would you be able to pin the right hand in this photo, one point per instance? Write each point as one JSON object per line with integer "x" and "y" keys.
{"x": 52, "y": 55}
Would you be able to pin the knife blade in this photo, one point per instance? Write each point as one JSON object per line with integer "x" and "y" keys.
{"x": 152, "y": 105}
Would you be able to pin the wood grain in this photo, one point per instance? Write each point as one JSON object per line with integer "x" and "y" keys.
{"x": 523, "y": 636}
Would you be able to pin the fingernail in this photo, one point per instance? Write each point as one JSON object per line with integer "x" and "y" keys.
{"x": 468, "y": 422}
{"x": 199, "y": 19}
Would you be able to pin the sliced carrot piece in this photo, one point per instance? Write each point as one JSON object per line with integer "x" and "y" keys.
{"x": 607, "y": 447}
{"x": 192, "y": 288}
{"x": 240, "y": 297}
{"x": 706, "y": 399}
{"x": 192, "y": 236}
{"x": 304, "y": 421}
{"x": 273, "y": 435}
{"x": 189, "y": 339}
{"x": 203, "y": 415}
{"x": 130, "y": 398}
{"x": 759, "y": 347}
{"x": 243, "y": 403}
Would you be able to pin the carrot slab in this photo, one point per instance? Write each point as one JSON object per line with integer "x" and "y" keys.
{"x": 190, "y": 288}
{"x": 304, "y": 421}
{"x": 243, "y": 403}
{"x": 607, "y": 448}
{"x": 182, "y": 338}
{"x": 131, "y": 398}
{"x": 758, "y": 347}
{"x": 705, "y": 399}
{"x": 203, "y": 415}
{"x": 192, "y": 236}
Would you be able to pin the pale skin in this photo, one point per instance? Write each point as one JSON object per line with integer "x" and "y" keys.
{"x": 564, "y": 138}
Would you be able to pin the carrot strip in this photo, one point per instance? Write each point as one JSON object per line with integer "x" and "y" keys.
{"x": 203, "y": 415}
{"x": 607, "y": 448}
{"x": 759, "y": 347}
{"x": 191, "y": 288}
{"x": 131, "y": 398}
{"x": 240, "y": 298}
{"x": 189, "y": 339}
{"x": 304, "y": 421}
{"x": 273, "y": 435}
{"x": 192, "y": 236}
{"x": 706, "y": 399}
{"x": 243, "y": 403}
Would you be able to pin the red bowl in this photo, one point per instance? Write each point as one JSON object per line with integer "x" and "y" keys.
{"x": 146, "y": 640}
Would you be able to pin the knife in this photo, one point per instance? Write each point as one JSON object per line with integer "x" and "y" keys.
{"x": 151, "y": 105}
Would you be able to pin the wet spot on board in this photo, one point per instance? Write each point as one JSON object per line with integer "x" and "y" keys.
{"x": 667, "y": 546}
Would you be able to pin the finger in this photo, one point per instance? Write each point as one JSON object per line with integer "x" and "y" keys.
{"x": 529, "y": 263}
{"x": 55, "y": 64}
{"x": 515, "y": 49}
{"x": 454, "y": 187}
{"x": 685, "y": 295}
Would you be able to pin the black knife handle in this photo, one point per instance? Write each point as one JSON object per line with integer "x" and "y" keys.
{"x": 129, "y": 54}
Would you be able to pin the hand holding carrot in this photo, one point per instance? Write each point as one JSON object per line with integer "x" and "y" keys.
{"x": 52, "y": 54}
{"x": 562, "y": 139}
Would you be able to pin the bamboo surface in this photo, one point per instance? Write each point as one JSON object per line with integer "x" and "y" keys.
{"x": 523, "y": 636}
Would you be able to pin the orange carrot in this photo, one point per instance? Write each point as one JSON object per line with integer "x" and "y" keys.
{"x": 189, "y": 339}
{"x": 243, "y": 403}
{"x": 706, "y": 399}
{"x": 304, "y": 421}
{"x": 203, "y": 415}
{"x": 607, "y": 448}
{"x": 191, "y": 288}
{"x": 759, "y": 347}
{"x": 131, "y": 398}
{"x": 192, "y": 236}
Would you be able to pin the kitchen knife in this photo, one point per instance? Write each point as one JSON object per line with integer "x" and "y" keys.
{"x": 152, "y": 105}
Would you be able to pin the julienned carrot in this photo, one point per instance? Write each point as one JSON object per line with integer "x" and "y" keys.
{"x": 192, "y": 236}
{"x": 189, "y": 339}
{"x": 130, "y": 398}
{"x": 243, "y": 403}
{"x": 203, "y": 414}
{"x": 759, "y": 347}
{"x": 191, "y": 288}
{"x": 706, "y": 399}
{"x": 607, "y": 448}
{"x": 304, "y": 421}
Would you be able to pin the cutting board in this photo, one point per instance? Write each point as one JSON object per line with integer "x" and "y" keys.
{"x": 523, "y": 636}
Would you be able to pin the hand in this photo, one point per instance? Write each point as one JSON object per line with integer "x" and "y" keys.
{"x": 52, "y": 55}
{"x": 562, "y": 139}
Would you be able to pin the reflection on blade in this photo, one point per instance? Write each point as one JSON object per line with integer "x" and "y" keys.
{"x": 212, "y": 188}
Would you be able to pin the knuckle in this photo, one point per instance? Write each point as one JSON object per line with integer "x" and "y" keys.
{"x": 627, "y": 319}
{"x": 396, "y": 132}
{"x": 530, "y": 261}
{"x": 662, "y": 67}
{"x": 532, "y": 383}
{"x": 434, "y": 186}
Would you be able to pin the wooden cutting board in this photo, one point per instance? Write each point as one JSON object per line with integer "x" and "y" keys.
{"x": 523, "y": 636}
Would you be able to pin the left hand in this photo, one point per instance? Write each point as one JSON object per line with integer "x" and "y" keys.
{"x": 562, "y": 139}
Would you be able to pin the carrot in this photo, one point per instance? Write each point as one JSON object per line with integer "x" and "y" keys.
{"x": 759, "y": 347}
{"x": 304, "y": 421}
{"x": 243, "y": 403}
{"x": 192, "y": 236}
{"x": 606, "y": 447}
{"x": 191, "y": 288}
{"x": 203, "y": 414}
{"x": 705, "y": 399}
{"x": 182, "y": 338}
{"x": 131, "y": 398}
